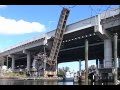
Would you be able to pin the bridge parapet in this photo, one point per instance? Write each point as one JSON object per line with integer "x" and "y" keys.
{"x": 23, "y": 47}
{"x": 109, "y": 13}
{"x": 24, "y": 42}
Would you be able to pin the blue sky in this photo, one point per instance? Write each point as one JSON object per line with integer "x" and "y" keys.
{"x": 23, "y": 22}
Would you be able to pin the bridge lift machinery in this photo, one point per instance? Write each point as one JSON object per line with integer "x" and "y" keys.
{"x": 48, "y": 64}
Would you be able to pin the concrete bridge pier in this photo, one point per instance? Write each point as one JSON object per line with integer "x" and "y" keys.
{"x": 107, "y": 53}
{"x": 7, "y": 62}
{"x": 105, "y": 69}
{"x": 97, "y": 65}
{"x": 86, "y": 62}
{"x": 28, "y": 59}
{"x": 13, "y": 62}
{"x": 79, "y": 67}
{"x": 115, "y": 59}
{"x": 101, "y": 65}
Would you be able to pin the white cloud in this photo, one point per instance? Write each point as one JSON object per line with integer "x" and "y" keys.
{"x": 3, "y": 6}
{"x": 12, "y": 26}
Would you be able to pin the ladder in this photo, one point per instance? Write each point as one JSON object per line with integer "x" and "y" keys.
{"x": 61, "y": 27}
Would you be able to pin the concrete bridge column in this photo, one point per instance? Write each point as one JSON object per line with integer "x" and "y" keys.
{"x": 7, "y": 62}
{"x": 101, "y": 65}
{"x": 2, "y": 60}
{"x": 28, "y": 61}
{"x": 80, "y": 67}
{"x": 86, "y": 62}
{"x": 97, "y": 65}
{"x": 115, "y": 58}
{"x": 107, "y": 53}
{"x": 13, "y": 62}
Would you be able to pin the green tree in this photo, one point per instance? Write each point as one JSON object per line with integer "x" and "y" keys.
{"x": 61, "y": 72}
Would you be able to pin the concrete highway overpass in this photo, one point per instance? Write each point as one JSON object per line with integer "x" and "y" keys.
{"x": 98, "y": 30}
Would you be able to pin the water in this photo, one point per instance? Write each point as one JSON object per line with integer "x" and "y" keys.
{"x": 32, "y": 82}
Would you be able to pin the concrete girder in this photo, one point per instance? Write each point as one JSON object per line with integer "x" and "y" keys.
{"x": 111, "y": 22}
{"x": 23, "y": 47}
{"x": 100, "y": 30}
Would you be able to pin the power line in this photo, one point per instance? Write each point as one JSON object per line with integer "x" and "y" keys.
{"x": 107, "y": 10}
{"x": 73, "y": 6}
{"x": 92, "y": 9}
{"x": 68, "y": 7}
{"x": 99, "y": 9}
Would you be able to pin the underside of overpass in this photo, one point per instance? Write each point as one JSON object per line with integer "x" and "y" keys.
{"x": 73, "y": 46}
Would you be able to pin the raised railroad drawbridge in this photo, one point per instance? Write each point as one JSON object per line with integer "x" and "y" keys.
{"x": 48, "y": 56}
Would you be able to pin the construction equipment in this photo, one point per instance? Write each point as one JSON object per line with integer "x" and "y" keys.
{"x": 50, "y": 62}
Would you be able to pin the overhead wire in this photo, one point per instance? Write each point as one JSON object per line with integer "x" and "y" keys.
{"x": 99, "y": 9}
{"x": 107, "y": 10}
{"x": 68, "y": 7}
{"x": 98, "y": 12}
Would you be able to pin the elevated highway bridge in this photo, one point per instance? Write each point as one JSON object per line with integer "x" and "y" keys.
{"x": 98, "y": 30}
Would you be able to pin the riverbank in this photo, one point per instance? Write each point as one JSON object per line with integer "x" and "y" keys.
{"x": 33, "y": 78}
{"x": 32, "y": 82}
